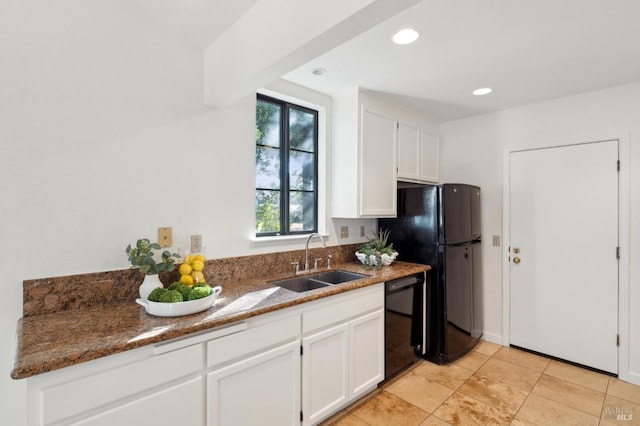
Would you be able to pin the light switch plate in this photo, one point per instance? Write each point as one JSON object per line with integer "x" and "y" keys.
{"x": 496, "y": 240}
{"x": 362, "y": 230}
{"x": 165, "y": 237}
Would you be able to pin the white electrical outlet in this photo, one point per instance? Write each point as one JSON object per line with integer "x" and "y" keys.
{"x": 196, "y": 243}
{"x": 344, "y": 232}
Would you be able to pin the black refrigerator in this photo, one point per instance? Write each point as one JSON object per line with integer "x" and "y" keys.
{"x": 440, "y": 225}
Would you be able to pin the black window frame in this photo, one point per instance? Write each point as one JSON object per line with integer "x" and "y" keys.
{"x": 285, "y": 189}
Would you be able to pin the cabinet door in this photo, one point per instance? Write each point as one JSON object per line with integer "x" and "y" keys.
{"x": 408, "y": 151}
{"x": 366, "y": 348}
{"x": 325, "y": 363}
{"x": 260, "y": 390}
{"x": 429, "y": 157}
{"x": 176, "y": 405}
{"x": 378, "y": 164}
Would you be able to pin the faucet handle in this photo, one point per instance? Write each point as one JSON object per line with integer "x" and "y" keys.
{"x": 315, "y": 263}
{"x": 329, "y": 262}
{"x": 297, "y": 265}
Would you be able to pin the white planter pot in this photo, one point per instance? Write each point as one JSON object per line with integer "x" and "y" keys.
{"x": 386, "y": 258}
{"x": 150, "y": 282}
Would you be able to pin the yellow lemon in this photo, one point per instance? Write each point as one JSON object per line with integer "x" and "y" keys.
{"x": 188, "y": 259}
{"x": 197, "y": 276}
{"x": 185, "y": 269}
{"x": 186, "y": 279}
{"x": 198, "y": 265}
{"x": 198, "y": 257}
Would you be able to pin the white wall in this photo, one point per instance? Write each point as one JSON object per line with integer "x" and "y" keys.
{"x": 472, "y": 151}
{"x": 103, "y": 139}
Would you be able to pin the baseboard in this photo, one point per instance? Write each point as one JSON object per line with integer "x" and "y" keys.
{"x": 493, "y": 338}
{"x": 630, "y": 377}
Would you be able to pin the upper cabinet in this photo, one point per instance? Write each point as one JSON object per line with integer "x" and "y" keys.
{"x": 417, "y": 153}
{"x": 364, "y": 158}
{"x": 376, "y": 143}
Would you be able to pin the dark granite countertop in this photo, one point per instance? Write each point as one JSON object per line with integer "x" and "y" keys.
{"x": 52, "y": 341}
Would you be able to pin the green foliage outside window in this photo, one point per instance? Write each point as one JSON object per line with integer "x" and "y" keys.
{"x": 286, "y": 168}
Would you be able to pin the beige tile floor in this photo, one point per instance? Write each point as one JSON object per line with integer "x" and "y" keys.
{"x": 497, "y": 385}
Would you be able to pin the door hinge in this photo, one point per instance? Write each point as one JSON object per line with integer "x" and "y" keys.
{"x": 617, "y": 252}
{"x": 301, "y": 350}
{"x": 618, "y": 165}
{"x": 617, "y": 340}
{"x": 301, "y": 416}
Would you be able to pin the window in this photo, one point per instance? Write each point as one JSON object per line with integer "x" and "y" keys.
{"x": 286, "y": 168}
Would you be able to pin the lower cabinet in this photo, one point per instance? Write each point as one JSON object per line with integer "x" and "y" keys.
{"x": 133, "y": 387}
{"x": 344, "y": 360}
{"x": 175, "y": 405}
{"x": 325, "y": 373}
{"x": 303, "y": 363}
{"x": 261, "y": 390}
{"x": 366, "y": 349}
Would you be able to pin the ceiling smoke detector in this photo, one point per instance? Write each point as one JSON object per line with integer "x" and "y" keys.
{"x": 318, "y": 71}
{"x": 406, "y": 36}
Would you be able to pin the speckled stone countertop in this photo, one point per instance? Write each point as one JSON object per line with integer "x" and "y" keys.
{"x": 52, "y": 341}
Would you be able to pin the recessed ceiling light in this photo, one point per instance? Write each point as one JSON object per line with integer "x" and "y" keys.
{"x": 483, "y": 91}
{"x": 405, "y": 36}
{"x": 318, "y": 71}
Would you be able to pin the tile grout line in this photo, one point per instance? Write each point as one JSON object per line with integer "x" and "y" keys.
{"x": 557, "y": 402}
{"x": 474, "y": 372}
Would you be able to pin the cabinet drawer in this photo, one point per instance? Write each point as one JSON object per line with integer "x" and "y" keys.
{"x": 350, "y": 305}
{"x": 61, "y": 401}
{"x": 157, "y": 408}
{"x": 257, "y": 337}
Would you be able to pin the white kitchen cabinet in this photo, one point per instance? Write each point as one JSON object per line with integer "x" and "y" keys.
{"x": 408, "y": 149}
{"x": 255, "y": 374}
{"x": 260, "y": 390}
{"x": 376, "y": 143}
{"x": 132, "y": 385}
{"x": 343, "y": 351}
{"x": 181, "y": 404}
{"x": 429, "y": 151}
{"x": 417, "y": 154}
{"x": 377, "y": 183}
{"x": 364, "y": 158}
{"x": 325, "y": 373}
{"x": 366, "y": 343}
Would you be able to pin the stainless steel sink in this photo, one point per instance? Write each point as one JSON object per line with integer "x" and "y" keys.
{"x": 300, "y": 284}
{"x": 337, "y": 276}
{"x": 322, "y": 279}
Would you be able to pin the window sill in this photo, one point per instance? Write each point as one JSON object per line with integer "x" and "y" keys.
{"x": 282, "y": 239}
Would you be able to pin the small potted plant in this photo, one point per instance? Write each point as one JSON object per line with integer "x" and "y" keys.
{"x": 142, "y": 257}
{"x": 375, "y": 252}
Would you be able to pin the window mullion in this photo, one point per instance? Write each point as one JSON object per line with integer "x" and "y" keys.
{"x": 284, "y": 162}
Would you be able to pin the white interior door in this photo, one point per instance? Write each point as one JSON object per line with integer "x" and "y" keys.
{"x": 564, "y": 271}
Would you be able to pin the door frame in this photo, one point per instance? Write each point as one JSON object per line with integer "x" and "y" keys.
{"x": 623, "y": 239}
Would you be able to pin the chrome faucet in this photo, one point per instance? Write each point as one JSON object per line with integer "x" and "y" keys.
{"x": 306, "y": 249}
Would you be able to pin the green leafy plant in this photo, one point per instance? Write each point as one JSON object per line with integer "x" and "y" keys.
{"x": 142, "y": 257}
{"x": 376, "y": 246}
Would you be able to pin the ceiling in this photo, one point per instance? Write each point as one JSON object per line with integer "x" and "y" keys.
{"x": 527, "y": 51}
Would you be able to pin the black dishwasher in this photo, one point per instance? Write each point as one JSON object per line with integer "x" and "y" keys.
{"x": 404, "y": 319}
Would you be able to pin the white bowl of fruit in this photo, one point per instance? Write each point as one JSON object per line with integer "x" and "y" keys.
{"x": 180, "y": 299}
